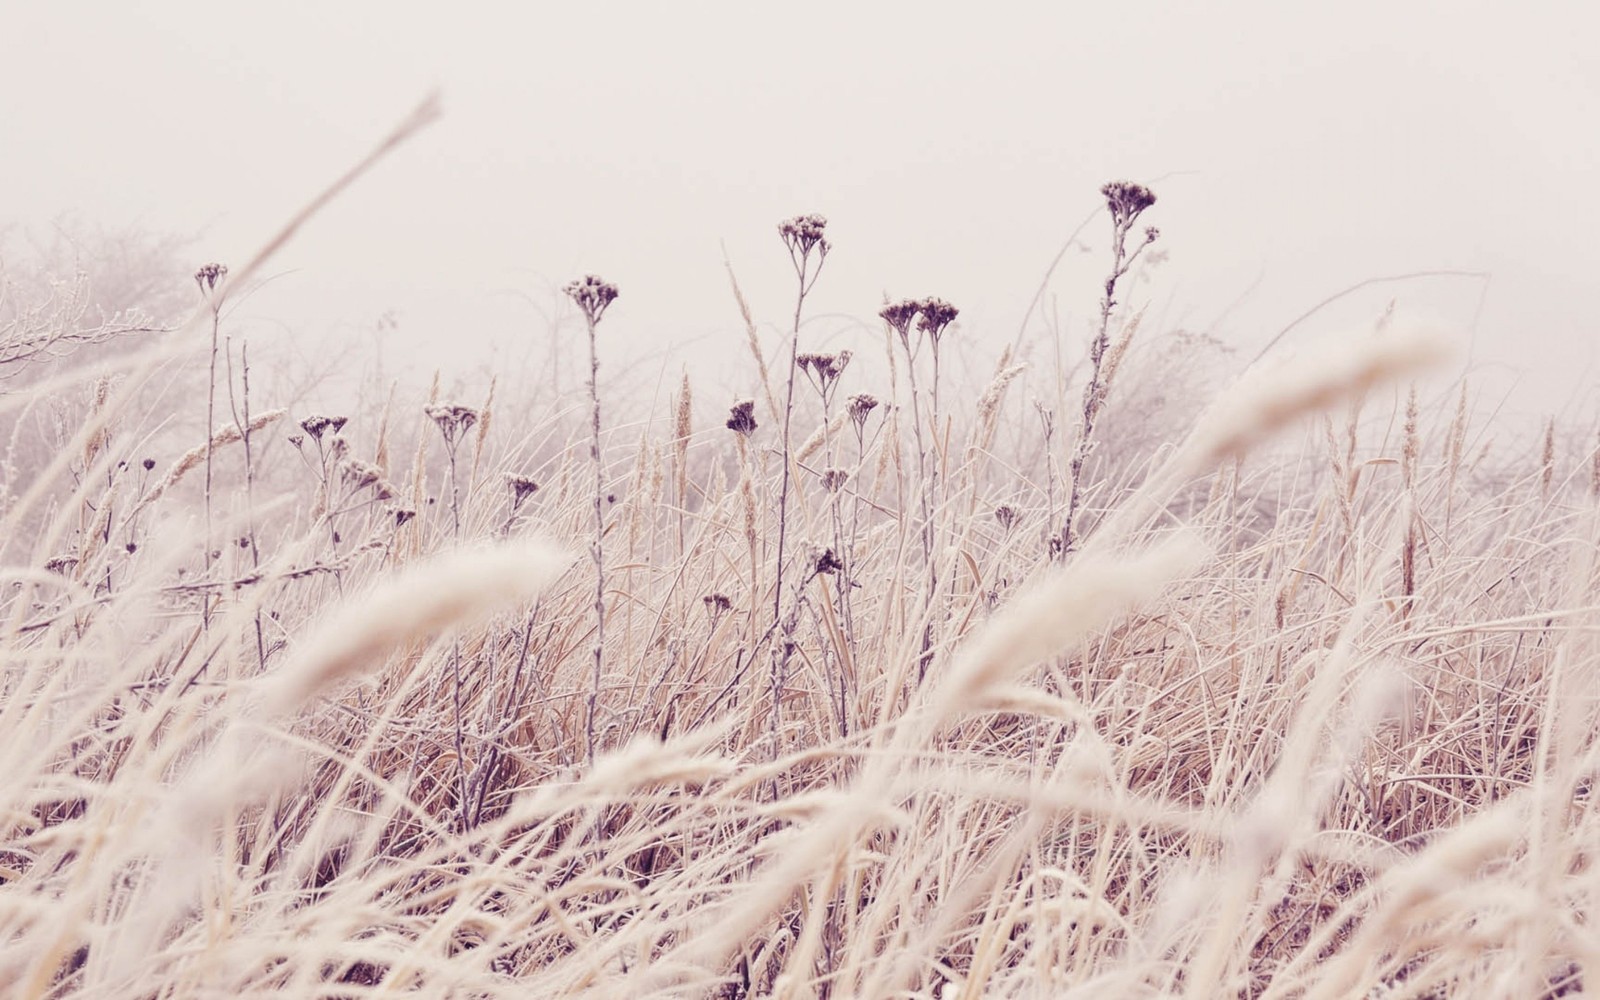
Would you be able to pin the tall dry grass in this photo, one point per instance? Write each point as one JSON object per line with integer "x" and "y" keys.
{"x": 1309, "y": 722}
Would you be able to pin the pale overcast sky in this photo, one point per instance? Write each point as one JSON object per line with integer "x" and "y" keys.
{"x": 1296, "y": 149}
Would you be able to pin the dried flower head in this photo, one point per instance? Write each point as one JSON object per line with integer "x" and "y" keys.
{"x": 61, "y": 564}
{"x": 317, "y": 425}
{"x": 453, "y": 419}
{"x": 899, "y": 316}
{"x": 148, "y": 464}
{"x": 1151, "y": 234}
{"x": 1126, "y": 200}
{"x": 826, "y": 562}
{"x": 802, "y": 234}
{"x": 936, "y": 315}
{"x": 359, "y": 475}
{"x": 208, "y": 276}
{"x": 521, "y": 487}
{"x": 717, "y": 603}
{"x": 824, "y": 369}
{"x": 833, "y": 480}
{"x": 860, "y": 406}
{"x": 297, "y": 440}
{"x": 338, "y": 447}
{"x": 837, "y": 364}
{"x": 742, "y": 417}
{"x": 401, "y": 515}
{"x": 1007, "y": 516}
{"x": 593, "y": 295}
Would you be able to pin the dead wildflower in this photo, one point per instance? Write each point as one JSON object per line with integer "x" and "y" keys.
{"x": 824, "y": 562}
{"x": 836, "y": 367}
{"x": 521, "y": 487}
{"x": 833, "y": 480}
{"x": 359, "y": 475}
{"x": 824, "y": 370}
{"x": 802, "y": 234}
{"x": 317, "y": 425}
{"x": 1007, "y": 516}
{"x": 860, "y": 407}
{"x": 717, "y": 604}
{"x": 61, "y": 564}
{"x": 742, "y": 417}
{"x": 401, "y": 515}
{"x": 452, "y": 419}
{"x": 592, "y": 294}
{"x": 297, "y": 440}
{"x": 209, "y": 276}
{"x": 935, "y": 315}
{"x": 899, "y": 316}
{"x": 1126, "y": 200}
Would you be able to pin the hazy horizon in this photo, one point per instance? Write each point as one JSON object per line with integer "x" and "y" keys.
{"x": 1294, "y": 155}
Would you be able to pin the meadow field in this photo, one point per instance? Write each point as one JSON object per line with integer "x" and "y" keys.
{"x": 888, "y": 680}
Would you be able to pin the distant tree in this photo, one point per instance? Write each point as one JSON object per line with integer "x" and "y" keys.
{"x": 81, "y": 288}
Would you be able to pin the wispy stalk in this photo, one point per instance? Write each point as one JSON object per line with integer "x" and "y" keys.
{"x": 808, "y": 251}
{"x": 1126, "y": 201}
{"x": 593, "y": 295}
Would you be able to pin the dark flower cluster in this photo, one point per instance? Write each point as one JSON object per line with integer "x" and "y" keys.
{"x": 592, "y": 294}
{"x": 1126, "y": 200}
{"x": 208, "y": 277}
{"x": 1007, "y": 516}
{"x": 360, "y": 475}
{"x": 453, "y": 419}
{"x": 936, "y": 314}
{"x": 522, "y": 487}
{"x": 742, "y": 417}
{"x": 900, "y": 314}
{"x": 860, "y": 406}
{"x": 824, "y": 369}
{"x": 826, "y": 562}
{"x": 317, "y": 425}
{"x": 803, "y": 233}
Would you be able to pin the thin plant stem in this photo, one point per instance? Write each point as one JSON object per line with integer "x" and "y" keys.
{"x": 597, "y": 546}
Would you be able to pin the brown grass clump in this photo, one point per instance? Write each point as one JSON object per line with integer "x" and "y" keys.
{"x": 893, "y": 694}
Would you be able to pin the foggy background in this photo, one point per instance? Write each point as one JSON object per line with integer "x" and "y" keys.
{"x": 1295, "y": 152}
